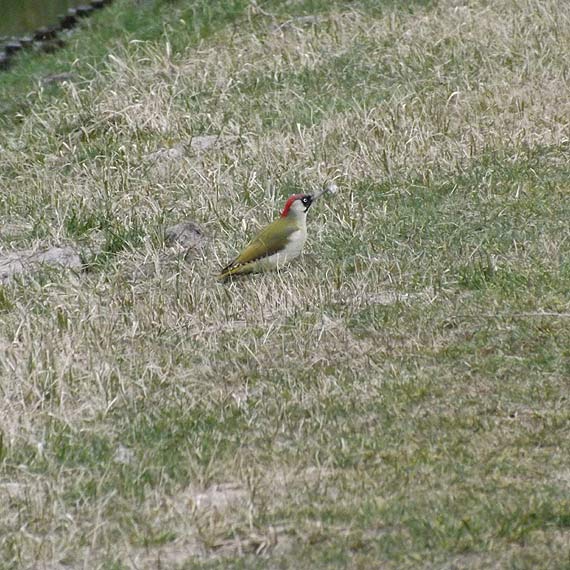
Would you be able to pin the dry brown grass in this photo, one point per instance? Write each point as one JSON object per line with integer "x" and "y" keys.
{"x": 347, "y": 410}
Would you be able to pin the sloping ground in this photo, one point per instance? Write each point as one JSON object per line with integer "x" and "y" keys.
{"x": 396, "y": 398}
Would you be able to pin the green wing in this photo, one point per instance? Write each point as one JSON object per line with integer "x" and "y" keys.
{"x": 266, "y": 243}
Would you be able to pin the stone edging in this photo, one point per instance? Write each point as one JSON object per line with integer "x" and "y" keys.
{"x": 47, "y": 39}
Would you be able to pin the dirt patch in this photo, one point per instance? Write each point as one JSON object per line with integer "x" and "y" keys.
{"x": 219, "y": 497}
{"x": 171, "y": 555}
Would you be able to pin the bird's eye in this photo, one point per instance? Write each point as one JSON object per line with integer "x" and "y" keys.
{"x": 305, "y": 200}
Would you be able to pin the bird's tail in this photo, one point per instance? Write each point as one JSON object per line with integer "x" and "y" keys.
{"x": 225, "y": 273}
{"x": 233, "y": 270}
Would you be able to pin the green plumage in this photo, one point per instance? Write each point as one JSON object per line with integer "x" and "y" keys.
{"x": 269, "y": 241}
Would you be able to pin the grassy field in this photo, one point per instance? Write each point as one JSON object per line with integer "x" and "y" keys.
{"x": 396, "y": 398}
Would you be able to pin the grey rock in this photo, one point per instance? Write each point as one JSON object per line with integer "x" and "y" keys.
{"x": 186, "y": 234}
{"x": 28, "y": 261}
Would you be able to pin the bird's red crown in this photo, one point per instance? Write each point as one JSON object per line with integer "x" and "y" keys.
{"x": 288, "y": 204}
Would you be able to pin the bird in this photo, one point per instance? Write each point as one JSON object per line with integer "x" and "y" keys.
{"x": 277, "y": 244}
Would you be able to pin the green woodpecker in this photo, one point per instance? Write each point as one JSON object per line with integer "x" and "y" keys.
{"x": 280, "y": 242}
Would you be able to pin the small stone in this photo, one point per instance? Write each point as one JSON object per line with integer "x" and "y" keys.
{"x": 84, "y": 10}
{"x": 4, "y": 60}
{"x": 12, "y": 47}
{"x": 26, "y": 41}
{"x": 187, "y": 234}
{"x": 45, "y": 33}
{"x": 68, "y": 20}
{"x": 28, "y": 261}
